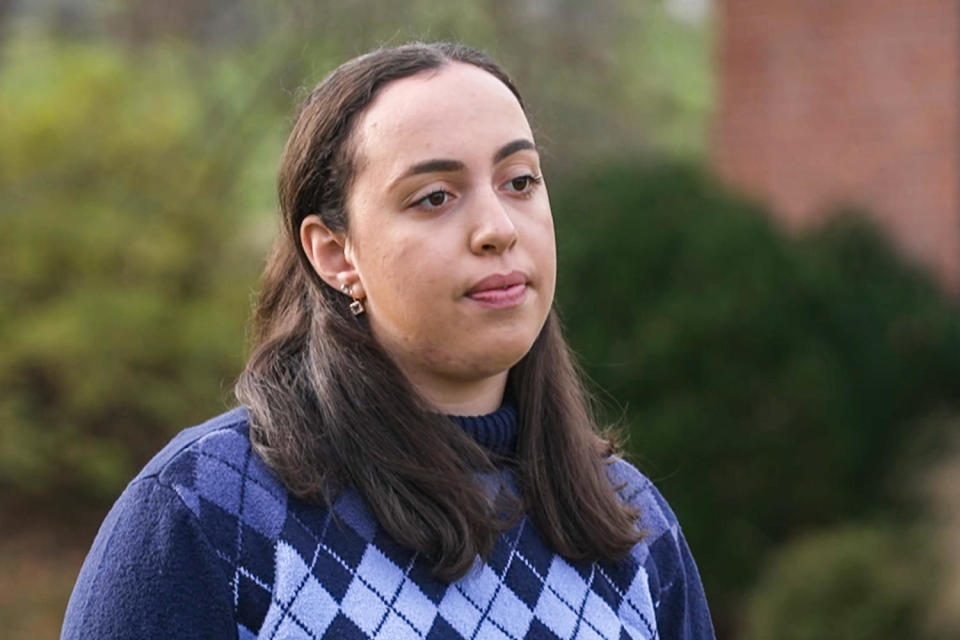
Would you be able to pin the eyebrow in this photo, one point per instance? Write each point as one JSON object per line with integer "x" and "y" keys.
{"x": 507, "y": 150}
{"x": 441, "y": 165}
{"x": 431, "y": 166}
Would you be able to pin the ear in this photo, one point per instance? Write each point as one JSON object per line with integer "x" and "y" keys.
{"x": 330, "y": 255}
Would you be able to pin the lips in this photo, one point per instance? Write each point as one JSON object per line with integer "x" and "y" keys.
{"x": 498, "y": 281}
{"x": 500, "y": 291}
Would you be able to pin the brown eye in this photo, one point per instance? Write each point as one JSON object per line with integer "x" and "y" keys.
{"x": 520, "y": 183}
{"x": 435, "y": 199}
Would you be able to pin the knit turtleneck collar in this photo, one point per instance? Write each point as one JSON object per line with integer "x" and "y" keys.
{"x": 496, "y": 432}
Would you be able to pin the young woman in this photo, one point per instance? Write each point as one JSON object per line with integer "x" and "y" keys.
{"x": 413, "y": 455}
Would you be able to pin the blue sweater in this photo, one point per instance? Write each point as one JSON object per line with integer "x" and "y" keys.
{"x": 207, "y": 543}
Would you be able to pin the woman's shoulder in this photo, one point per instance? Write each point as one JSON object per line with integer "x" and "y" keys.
{"x": 166, "y": 555}
{"x": 674, "y": 581}
{"x": 217, "y": 475}
{"x": 638, "y": 491}
{"x": 224, "y": 427}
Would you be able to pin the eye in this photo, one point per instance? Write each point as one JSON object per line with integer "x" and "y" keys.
{"x": 524, "y": 184}
{"x": 434, "y": 199}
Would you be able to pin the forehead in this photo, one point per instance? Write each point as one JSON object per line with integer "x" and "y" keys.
{"x": 455, "y": 111}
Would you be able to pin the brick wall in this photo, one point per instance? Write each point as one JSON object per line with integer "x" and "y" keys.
{"x": 824, "y": 102}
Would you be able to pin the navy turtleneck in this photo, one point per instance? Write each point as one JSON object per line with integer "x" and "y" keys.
{"x": 496, "y": 432}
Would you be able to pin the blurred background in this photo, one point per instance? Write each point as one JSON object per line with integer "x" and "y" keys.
{"x": 758, "y": 215}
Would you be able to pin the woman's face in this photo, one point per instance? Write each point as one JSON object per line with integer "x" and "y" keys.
{"x": 451, "y": 233}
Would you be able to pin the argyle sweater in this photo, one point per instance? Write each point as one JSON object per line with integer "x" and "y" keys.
{"x": 207, "y": 543}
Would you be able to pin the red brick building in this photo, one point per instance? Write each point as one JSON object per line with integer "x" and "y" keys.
{"x": 827, "y": 102}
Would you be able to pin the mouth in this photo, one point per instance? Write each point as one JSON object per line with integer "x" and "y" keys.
{"x": 500, "y": 291}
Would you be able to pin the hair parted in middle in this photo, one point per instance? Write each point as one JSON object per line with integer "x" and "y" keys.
{"x": 329, "y": 409}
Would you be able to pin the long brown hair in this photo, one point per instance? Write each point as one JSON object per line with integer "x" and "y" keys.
{"x": 329, "y": 409}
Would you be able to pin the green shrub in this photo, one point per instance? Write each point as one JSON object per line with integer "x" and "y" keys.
{"x": 125, "y": 284}
{"x": 849, "y": 583}
{"x": 768, "y": 382}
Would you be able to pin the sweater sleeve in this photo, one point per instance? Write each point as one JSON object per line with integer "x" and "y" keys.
{"x": 680, "y": 605}
{"x": 151, "y": 573}
{"x": 682, "y": 611}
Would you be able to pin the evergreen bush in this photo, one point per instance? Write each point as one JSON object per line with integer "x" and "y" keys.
{"x": 125, "y": 281}
{"x": 855, "y": 582}
{"x": 768, "y": 383}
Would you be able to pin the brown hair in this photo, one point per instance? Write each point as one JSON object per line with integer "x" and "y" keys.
{"x": 329, "y": 409}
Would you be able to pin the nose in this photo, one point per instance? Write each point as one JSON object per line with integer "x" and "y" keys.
{"x": 492, "y": 230}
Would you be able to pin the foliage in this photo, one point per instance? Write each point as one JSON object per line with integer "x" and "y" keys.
{"x": 124, "y": 281}
{"x": 769, "y": 383}
{"x": 853, "y": 582}
{"x": 602, "y": 78}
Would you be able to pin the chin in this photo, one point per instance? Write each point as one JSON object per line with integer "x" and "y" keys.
{"x": 501, "y": 355}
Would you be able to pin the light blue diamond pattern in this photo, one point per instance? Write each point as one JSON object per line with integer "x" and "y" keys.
{"x": 417, "y": 609}
{"x": 488, "y": 631}
{"x": 396, "y": 628}
{"x": 380, "y": 572}
{"x": 510, "y": 613}
{"x": 262, "y": 510}
{"x": 566, "y": 582}
{"x": 603, "y": 622}
{"x": 463, "y": 615}
{"x": 301, "y": 607}
{"x": 374, "y": 585}
{"x": 559, "y": 603}
{"x": 465, "y": 601}
{"x": 362, "y": 605}
{"x": 636, "y": 609}
{"x": 225, "y": 494}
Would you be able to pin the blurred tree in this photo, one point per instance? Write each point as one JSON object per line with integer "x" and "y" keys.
{"x": 602, "y": 79}
{"x": 124, "y": 270}
{"x": 769, "y": 383}
{"x": 938, "y": 485}
{"x": 854, "y": 582}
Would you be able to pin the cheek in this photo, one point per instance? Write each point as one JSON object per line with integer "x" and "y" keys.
{"x": 401, "y": 276}
{"x": 543, "y": 248}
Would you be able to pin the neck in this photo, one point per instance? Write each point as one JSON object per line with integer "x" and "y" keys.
{"x": 467, "y": 398}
